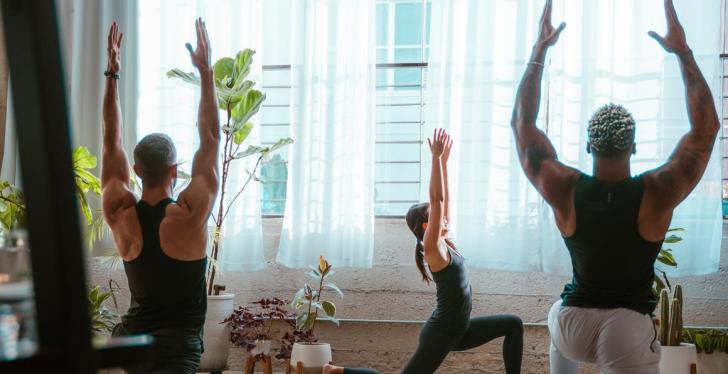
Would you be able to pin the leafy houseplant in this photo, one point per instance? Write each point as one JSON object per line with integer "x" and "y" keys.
{"x": 236, "y": 96}
{"x": 251, "y": 326}
{"x": 307, "y": 301}
{"x": 308, "y": 304}
{"x": 707, "y": 340}
{"x": 12, "y": 201}
{"x": 103, "y": 319}
{"x": 665, "y": 257}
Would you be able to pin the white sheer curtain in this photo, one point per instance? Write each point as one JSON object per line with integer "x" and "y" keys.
{"x": 170, "y": 106}
{"x": 329, "y": 206}
{"x": 478, "y": 54}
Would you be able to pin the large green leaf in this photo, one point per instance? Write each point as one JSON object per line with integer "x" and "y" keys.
{"x": 666, "y": 258}
{"x": 252, "y": 149}
{"x": 243, "y": 60}
{"x": 329, "y": 308}
{"x": 282, "y": 142}
{"x": 248, "y": 106}
{"x": 242, "y": 133}
{"x": 672, "y": 239}
{"x": 335, "y": 288}
{"x": 83, "y": 159}
{"x": 223, "y": 69}
{"x": 187, "y": 77}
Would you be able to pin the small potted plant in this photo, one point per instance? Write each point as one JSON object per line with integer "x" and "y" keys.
{"x": 676, "y": 357}
{"x": 251, "y": 327}
{"x": 307, "y": 354}
{"x": 712, "y": 347}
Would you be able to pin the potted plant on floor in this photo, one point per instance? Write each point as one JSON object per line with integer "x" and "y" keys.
{"x": 712, "y": 347}
{"x": 251, "y": 328}
{"x": 309, "y": 355}
{"x": 676, "y": 357}
{"x": 236, "y": 96}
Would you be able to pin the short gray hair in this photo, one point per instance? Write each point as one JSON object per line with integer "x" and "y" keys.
{"x": 154, "y": 154}
{"x": 611, "y": 130}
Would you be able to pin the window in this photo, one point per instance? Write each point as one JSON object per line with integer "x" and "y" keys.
{"x": 401, "y": 62}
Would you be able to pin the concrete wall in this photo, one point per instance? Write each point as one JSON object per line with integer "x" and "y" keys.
{"x": 391, "y": 293}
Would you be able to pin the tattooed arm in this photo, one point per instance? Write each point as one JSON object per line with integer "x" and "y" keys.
{"x": 674, "y": 181}
{"x": 554, "y": 181}
{"x": 671, "y": 183}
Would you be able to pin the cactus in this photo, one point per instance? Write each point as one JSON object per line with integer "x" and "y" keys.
{"x": 664, "y": 316}
{"x": 671, "y": 322}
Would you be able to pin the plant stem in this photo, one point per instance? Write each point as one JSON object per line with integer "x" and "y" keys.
{"x": 318, "y": 299}
{"x": 243, "y": 188}
{"x": 11, "y": 201}
{"x": 219, "y": 221}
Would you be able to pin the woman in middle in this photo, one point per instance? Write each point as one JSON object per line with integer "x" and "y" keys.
{"x": 450, "y": 327}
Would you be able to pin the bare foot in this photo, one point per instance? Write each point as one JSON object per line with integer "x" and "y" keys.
{"x": 331, "y": 369}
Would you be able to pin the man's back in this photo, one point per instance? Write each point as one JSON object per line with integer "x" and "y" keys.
{"x": 165, "y": 292}
{"x": 612, "y": 262}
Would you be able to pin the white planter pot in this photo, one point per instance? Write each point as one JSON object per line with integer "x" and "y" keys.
{"x": 261, "y": 347}
{"x": 313, "y": 356}
{"x": 216, "y": 336}
{"x": 678, "y": 359}
{"x": 714, "y": 363}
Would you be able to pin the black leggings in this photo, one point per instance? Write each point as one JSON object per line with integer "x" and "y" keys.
{"x": 435, "y": 344}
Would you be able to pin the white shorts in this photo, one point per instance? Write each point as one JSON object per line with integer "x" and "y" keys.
{"x": 619, "y": 341}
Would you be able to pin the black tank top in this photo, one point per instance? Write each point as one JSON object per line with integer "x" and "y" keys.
{"x": 613, "y": 266}
{"x": 454, "y": 296}
{"x": 164, "y": 292}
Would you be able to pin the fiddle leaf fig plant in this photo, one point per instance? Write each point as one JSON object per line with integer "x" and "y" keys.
{"x": 308, "y": 303}
{"x": 240, "y": 101}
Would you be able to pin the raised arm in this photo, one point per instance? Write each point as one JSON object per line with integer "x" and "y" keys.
{"x": 114, "y": 165}
{"x": 672, "y": 182}
{"x": 435, "y": 254}
{"x": 537, "y": 155}
{"x": 200, "y": 194}
{"x": 445, "y": 180}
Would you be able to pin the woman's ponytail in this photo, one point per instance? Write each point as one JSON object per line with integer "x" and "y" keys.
{"x": 420, "y": 261}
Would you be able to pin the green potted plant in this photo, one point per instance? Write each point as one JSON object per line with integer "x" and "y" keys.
{"x": 240, "y": 101}
{"x": 676, "y": 357}
{"x": 666, "y": 258}
{"x": 712, "y": 347}
{"x": 103, "y": 319}
{"x": 310, "y": 308}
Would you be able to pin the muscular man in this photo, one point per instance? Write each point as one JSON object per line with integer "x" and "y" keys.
{"x": 162, "y": 241}
{"x": 613, "y": 223}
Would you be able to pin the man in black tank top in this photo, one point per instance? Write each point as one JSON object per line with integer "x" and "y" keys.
{"x": 162, "y": 241}
{"x": 613, "y": 224}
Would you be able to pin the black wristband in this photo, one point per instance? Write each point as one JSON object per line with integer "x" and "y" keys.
{"x": 111, "y": 74}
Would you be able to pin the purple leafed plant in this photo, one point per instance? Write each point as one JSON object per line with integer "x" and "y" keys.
{"x": 254, "y": 323}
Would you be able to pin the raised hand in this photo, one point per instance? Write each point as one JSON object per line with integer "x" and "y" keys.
{"x": 446, "y": 152}
{"x": 440, "y": 143}
{"x": 113, "y": 49}
{"x": 674, "y": 41}
{"x": 548, "y": 35}
{"x": 200, "y": 56}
